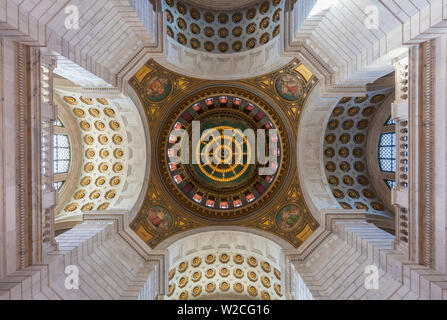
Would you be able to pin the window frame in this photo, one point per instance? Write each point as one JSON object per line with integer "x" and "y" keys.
{"x": 386, "y": 175}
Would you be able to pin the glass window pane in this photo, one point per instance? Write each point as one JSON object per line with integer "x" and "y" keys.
{"x": 62, "y": 153}
{"x": 387, "y": 152}
{"x": 390, "y": 183}
{"x": 389, "y": 122}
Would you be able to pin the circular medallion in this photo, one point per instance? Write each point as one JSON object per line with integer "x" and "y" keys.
{"x": 238, "y": 287}
{"x": 223, "y": 178}
{"x": 71, "y": 100}
{"x": 210, "y": 287}
{"x": 196, "y": 276}
{"x": 252, "y": 262}
{"x": 158, "y": 87}
{"x": 224, "y": 258}
{"x": 159, "y": 218}
{"x": 224, "y": 286}
{"x": 183, "y": 266}
{"x": 196, "y": 262}
{"x": 238, "y": 273}
{"x": 289, "y": 87}
{"x": 238, "y": 259}
{"x": 288, "y": 218}
{"x": 171, "y": 273}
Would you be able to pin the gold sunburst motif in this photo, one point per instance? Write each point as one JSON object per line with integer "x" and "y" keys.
{"x": 183, "y": 281}
{"x": 104, "y": 206}
{"x": 90, "y": 153}
{"x": 252, "y": 262}
{"x": 79, "y": 195}
{"x": 110, "y": 194}
{"x": 88, "y": 101}
{"x": 196, "y": 261}
{"x": 210, "y": 287}
{"x": 117, "y": 139}
{"x": 89, "y": 167}
{"x": 79, "y": 112}
{"x": 100, "y": 181}
{"x": 224, "y": 258}
{"x": 109, "y": 112}
{"x": 252, "y": 291}
{"x": 210, "y": 273}
{"x": 224, "y": 286}
{"x": 114, "y": 125}
{"x": 277, "y": 288}
{"x": 117, "y": 167}
{"x": 211, "y": 258}
{"x": 71, "y": 207}
{"x": 265, "y": 295}
{"x": 184, "y": 295}
{"x": 252, "y": 276}
{"x": 95, "y": 195}
{"x": 266, "y": 281}
{"x": 86, "y": 181}
{"x": 171, "y": 289}
{"x": 238, "y": 287}
{"x": 86, "y": 126}
{"x": 104, "y": 153}
{"x": 216, "y": 172}
{"x": 171, "y": 273}
{"x": 196, "y": 276}
{"x": 103, "y": 167}
{"x": 238, "y": 273}
{"x": 266, "y": 266}
{"x": 94, "y": 112}
{"x": 99, "y": 125}
{"x": 115, "y": 181}
{"x": 277, "y": 273}
{"x": 224, "y": 272}
{"x": 103, "y": 139}
{"x": 87, "y": 207}
{"x": 71, "y": 100}
{"x": 118, "y": 153}
{"x": 238, "y": 259}
{"x": 197, "y": 290}
{"x": 89, "y": 139}
{"x": 103, "y": 101}
{"x": 183, "y": 266}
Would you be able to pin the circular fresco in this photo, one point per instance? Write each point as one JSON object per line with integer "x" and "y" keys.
{"x": 158, "y": 87}
{"x": 289, "y": 87}
{"x": 159, "y": 218}
{"x": 288, "y": 217}
{"x": 209, "y": 159}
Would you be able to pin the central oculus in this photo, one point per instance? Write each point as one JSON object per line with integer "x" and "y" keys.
{"x": 221, "y": 155}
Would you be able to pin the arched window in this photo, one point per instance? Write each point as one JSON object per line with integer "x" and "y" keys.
{"x": 387, "y": 153}
{"x": 62, "y": 154}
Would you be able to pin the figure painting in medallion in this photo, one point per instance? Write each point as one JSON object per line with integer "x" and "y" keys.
{"x": 287, "y": 219}
{"x": 158, "y": 88}
{"x": 159, "y": 218}
{"x": 289, "y": 87}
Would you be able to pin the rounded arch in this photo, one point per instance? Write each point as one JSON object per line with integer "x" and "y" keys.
{"x": 279, "y": 242}
{"x": 133, "y": 96}
{"x": 71, "y": 181}
{"x": 114, "y": 148}
{"x": 311, "y": 172}
{"x": 227, "y": 262}
{"x": 374, "y": 133}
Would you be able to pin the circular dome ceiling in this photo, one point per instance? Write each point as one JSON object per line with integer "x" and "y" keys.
{"x": 236, "y": 158}
{"x": 223, "y": 31}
